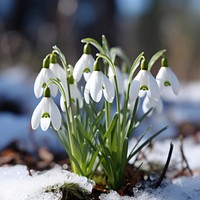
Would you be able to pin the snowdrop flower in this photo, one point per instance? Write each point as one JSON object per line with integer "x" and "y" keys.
{"x": 98, "y": 83}
{"x": 84, "y": 65}
{"x": 45, "y": 113}
{"x": 119, "y": 78}
{"x": 57, "y": 70}
{"x": 166, "y": 78}
{"x": 149, "y": 103}
{"x": 74, "y": 93}
{"x": 42, "y": 79}
{"x": 147, "y": 84}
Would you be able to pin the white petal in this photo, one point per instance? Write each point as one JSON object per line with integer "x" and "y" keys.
{"x": 96, "y": 85}
{"x": 44, "y": 123}
{"x": 38, "y": 90}
{"x": 56, "y": 69}
{"x": 55, "y": 115}
{"x": 87, "y": 75}
{"x": 134, "y": 90}
{"x": 159, "y": 106}
{"x": 147, "y": 104}
{"x": 76, "y": 94}
{"x": 78, "y": 69}
{"x": 161, "y": 77}
{"x": 119, "y": 76}
{"x": 174, "y": 81}
{"x": 119, "y": 80}
{"x": 58, "y": 72}
{"x": 162, "y": 74}
{"x": 108, "y": 89}
{"x": 35, "y": 119}
{"x": 62, "y": 103}
{"x": 87, "y": 91}
{"x": 153, "y": 87}
{"x": 62, "y": 100}
{"x": 53, "y": 87}
{"x": 88, "y": 63}
{"x": 46, "y": 105}
{"x": 160, "y": 85}
{"x": 140, "y": 75}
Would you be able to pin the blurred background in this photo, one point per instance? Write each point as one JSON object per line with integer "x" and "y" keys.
{"x": 29, "y": 29}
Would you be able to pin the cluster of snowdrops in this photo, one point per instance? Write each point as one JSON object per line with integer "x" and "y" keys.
{"x": 98, "y": 115}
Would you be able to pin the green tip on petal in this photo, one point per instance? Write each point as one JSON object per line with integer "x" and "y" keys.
{"x": 144, "y": 87}
{"x": 167, "y": 83}
{"x": 53, "y": 58}
{"x": 164, "y": 62}
{"x": 144, "y": 64}
{"x": 47, "y": 92}
{"x": 97, "y": 66}
{"x": 45, "y": 115}
{"x": 86, "y": 70}
{"x": 45, "y": 63}
{"x": 87, "y": 49}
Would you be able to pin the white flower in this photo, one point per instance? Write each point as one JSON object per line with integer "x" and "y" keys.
{"x": 134, "y": 90}
{"x": 120, "y": 79}
{"x": 58, "y": 72}
{"x": 149, "y": 103}
{"x": 75, "y": 95}
{"x": 96, "y": 84}
{"x": 46, "y": 112}
{"x": 83, "y": 66}
{"x": 41, "y": 81}
{"x": 165, "y": 78}
{"x": 148, "y": 84}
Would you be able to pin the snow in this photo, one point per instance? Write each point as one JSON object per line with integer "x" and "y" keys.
{"x": 184, "y": 188}
{"x": 16, "y": 183}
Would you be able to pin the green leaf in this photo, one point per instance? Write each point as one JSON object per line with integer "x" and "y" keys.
{"x": 148, "y": 141}
{"x": 83, "y": 132}
{"x": 138, "y": 122}
{"x": 91, "y": 162}
{"x": 132, "y": 119}
{"x": 124, "y": 153}
{"x": 94, "y": 43}
{"x": 138, "y": 141}
{"x": 154, "y": 58}
{"x": 112, "y": 126}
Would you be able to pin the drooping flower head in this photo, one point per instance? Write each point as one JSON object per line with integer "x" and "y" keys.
{"x": 43, "y": 78}
{"x": 84, "y": 65}
{"x": 97, "y": 84}
{"x": 167, "y": 78}
{"x": 144, "y": 83}
{"x": 45, "y": 113}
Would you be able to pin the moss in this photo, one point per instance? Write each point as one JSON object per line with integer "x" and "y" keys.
{"x": 69, "y": 191}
